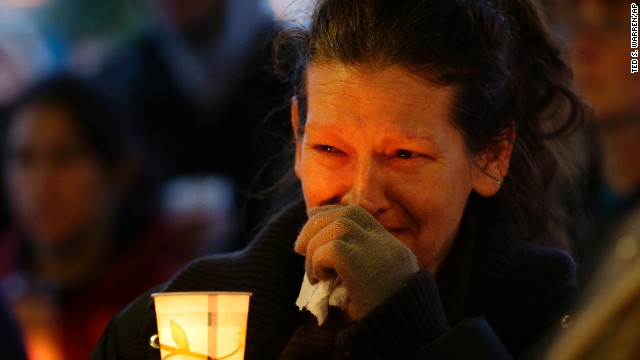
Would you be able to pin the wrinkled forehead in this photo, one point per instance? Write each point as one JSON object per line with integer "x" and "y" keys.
{"x": 392, "y": 98}
{"x": 321, "y": 72}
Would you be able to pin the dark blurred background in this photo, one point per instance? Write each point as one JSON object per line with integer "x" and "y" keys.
{"x": 90, "y": 220}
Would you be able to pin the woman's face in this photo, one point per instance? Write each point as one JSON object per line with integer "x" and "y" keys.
{"x": 383, "y": 140}
{"x": 57, "y": 189}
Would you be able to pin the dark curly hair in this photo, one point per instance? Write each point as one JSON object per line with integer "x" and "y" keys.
{"x": 504, "y": 65}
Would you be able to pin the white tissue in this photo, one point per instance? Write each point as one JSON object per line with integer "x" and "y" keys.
{"x": 317, "y": 298}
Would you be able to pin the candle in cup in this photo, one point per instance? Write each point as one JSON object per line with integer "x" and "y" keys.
{"x": 202, "y": 325}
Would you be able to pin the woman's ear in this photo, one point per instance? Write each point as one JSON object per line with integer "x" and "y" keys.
{"x": 295, "y": 120}
{"x": 493, "y": 163}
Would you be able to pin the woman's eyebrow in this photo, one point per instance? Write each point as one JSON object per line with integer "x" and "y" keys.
{"x": 419, "y": 136}
{"x": 409, "y": 134}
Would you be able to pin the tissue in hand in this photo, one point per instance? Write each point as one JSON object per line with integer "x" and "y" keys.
{"x": 317, "y": 298}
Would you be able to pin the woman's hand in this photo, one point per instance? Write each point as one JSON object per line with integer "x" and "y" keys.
{"x": 347, "y": 242}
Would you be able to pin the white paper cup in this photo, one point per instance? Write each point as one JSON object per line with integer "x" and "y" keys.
{"x": 202, "y": 325}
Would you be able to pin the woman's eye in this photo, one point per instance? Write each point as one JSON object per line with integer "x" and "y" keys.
{"x": 327, "y": 149}
{"x": 405, "y": 154}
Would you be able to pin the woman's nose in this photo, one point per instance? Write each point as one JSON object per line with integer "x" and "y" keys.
{"x": 367, "y": 189}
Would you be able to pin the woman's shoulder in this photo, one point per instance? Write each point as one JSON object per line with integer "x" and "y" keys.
{"x": 501, "y": 248}
{"x": 520, "y": 266}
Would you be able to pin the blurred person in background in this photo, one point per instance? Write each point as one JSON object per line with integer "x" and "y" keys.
{"x": 599, "y": 41}
{"x": 85, "y": 237}
{"x": 605, "y": 324}
{"x": 199, "y": 91}
{"x": 24, "y": 58}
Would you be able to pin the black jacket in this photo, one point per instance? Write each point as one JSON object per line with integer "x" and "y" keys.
{"x": 493, "y": 298}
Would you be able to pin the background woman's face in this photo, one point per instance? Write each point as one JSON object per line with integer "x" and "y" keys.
{"x": 57, "y": 189}
{"x": 383, "y": 140}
